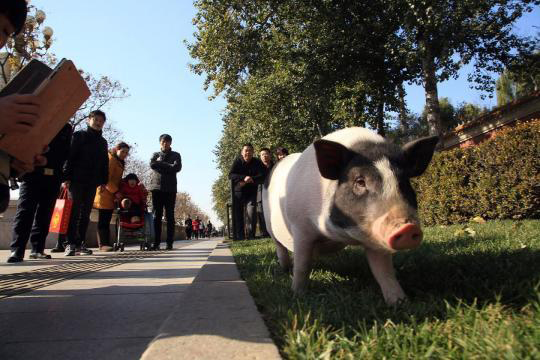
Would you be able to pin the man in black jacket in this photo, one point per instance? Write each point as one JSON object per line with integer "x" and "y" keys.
{"x": 37, "y": 196}
{"x": 86, "y": 168}
{"x": 165, "y": 164}
{"x": 246, "y": 173}
{"x": 266, "y": 159}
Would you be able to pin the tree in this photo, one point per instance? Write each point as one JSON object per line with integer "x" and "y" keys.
{"x": 520, "y": 79}
{"x": 185, "y": 206}
{"x": 444, "y": 35}
{"x": 34, "y": 42}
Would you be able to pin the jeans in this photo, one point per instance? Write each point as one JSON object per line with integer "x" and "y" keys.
{"x": 83, "y": 198}
{"x": 34, "y": 211}
{"x": 160, "y": 200}
{"x": 248, "y": 202}
{"x": 103, "y": 227}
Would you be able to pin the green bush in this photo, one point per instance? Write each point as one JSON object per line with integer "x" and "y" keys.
{"x": 498, "y": 179}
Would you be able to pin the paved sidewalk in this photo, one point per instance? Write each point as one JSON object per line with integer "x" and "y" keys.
{"x": 126, "y": 309}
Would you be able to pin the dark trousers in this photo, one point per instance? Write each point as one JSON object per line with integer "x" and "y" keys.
{"x": 188, "y": 233}
{"x": 249, "y": 203}
{"x": 34, "y": 211}
{"x": 83, "y": 198}
{"x": 160, "y": 200}
{"x": 262, "y": 222}
{"x": 103, "y": 227}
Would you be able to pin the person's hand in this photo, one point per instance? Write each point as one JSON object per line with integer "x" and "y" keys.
{"x": 66, "y": 184}
{"x": 248, "y": 179}
{"x": 40, "y": 160}
{"x": 18, "y": 113}
{"x": 20, "y": 167}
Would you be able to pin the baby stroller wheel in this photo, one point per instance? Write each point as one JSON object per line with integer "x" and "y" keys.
{"x": 141, "y": 247}
{"x": 115, "y": 247}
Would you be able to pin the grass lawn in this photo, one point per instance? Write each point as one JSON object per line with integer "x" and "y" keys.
{"x": 472, "y": 295}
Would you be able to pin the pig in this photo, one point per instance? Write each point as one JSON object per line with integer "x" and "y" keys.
{"x": 352, "y": 187}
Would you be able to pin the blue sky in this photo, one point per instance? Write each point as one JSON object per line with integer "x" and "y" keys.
{"x": 141, "y": 44}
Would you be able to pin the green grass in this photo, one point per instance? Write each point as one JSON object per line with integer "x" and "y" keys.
{"x": 469, "y": 298}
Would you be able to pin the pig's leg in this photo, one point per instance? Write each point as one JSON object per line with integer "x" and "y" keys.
{"x": 283, "y": 256}
{"x": 383, "y": 270}
{"x": 303, "y": 254}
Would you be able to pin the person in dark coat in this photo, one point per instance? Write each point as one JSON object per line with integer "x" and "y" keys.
{"x": 37, "y": 196}
{"x": 86, "y": 168}
{"x": 188, "y": 224}
{"x": 165, "y": 164}
{"x": 266, "y": 159}
{"x": 246, "y": 173}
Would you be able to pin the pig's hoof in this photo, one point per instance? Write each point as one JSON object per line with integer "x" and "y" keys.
{"x": 397, "y": 302}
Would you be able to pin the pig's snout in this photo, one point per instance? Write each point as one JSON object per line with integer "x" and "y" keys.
{"x": 407, "y": 236}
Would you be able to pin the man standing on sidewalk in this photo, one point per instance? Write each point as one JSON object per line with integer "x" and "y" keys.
{"x": 37, "y": 195}
{"x": 86, "y": 168}
{"x": 246, "y": 172}
{"x": 165, "y": 164}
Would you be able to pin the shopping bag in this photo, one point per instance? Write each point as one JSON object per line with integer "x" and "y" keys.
{"x": 61, "y": 213}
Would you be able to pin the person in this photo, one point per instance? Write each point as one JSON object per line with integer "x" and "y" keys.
{"x": 209, "y": 228}
{"x": 189, "y": 227}
{"x": 86, "y": 168}
{"x": 281, "y": 152}
{"x": 107, "y": 195}
{"x": 195, "y": 225}
{"x": 18, "y": 113}
{"x": 266, "y": 159}
{"x": 201, "y": 229}
{"x": 134, "y": 196}
{"x": 246, "y": 172}
{"x": 37, "y": 196}
{"x": 165, "y": 164}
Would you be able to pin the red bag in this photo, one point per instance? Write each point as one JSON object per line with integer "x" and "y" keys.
{"x": 61, "y": 213}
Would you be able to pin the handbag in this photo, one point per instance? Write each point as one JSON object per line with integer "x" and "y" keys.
{"x": 62, "y": 211}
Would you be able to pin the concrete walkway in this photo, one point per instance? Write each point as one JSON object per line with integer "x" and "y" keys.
{"x": 185, "y": 303}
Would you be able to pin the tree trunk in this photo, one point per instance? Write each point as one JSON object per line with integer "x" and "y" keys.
{"x": 432, "y": 96}
{"x": 403, "y": 125}
{"x": 380, "y": 119}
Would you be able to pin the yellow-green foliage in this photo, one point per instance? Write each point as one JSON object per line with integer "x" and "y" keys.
{"x": 499, "y": 179}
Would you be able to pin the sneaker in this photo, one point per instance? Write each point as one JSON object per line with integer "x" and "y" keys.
{"x": 58, "y": 249}
{"x": 14, "y": 258}
{"x": 169, "y": 247}
{"x": 70, "y": 250}
{"x": 39, "y": 256}
{"x": 83, "y": 250}
{"x": 105, "y": 248}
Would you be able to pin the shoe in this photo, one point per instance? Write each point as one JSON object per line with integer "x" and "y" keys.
{"x": 155, "y": 247}
{"x": 14, "y": 258}
{"x": 70, "y": 250}
{"x": 39, "y": 256}
{"x": 83, "y": 250}
{"x": 105, "y": 248}
{"x": 58, "y": 249}
{"x": 169, "y": 247}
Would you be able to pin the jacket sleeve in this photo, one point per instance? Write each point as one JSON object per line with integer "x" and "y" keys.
{"x": 171, "y": 168}
{"x": 111, "y": 186}
{"x": 74, "y": 151}
{"x": 258, "y": 178}
{"x": 105, "y": 167}
{"x": 234, "y": 174}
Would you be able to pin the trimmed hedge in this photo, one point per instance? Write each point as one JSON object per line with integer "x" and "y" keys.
{"x": 498, "y": 179}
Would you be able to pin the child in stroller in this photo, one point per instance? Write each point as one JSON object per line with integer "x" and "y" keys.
{"x": 132, "y": 208}
{"x": 133, "y": 200}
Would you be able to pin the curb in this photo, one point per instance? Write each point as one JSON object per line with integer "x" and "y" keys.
{"x": 216, "y": 319}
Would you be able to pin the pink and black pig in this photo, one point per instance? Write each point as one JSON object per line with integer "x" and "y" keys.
{"x": 352, "y": 187}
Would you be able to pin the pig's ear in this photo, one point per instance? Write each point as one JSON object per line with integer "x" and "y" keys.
{"x": 418, "y": 154}
{"x": 332, "y": 157}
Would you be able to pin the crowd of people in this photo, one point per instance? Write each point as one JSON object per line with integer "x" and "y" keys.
{"x": 195, "y": 229}
{"x": 247, "y": 175}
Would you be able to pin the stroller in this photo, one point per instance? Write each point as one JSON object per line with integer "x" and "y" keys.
{"x": 125, "y": 229}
